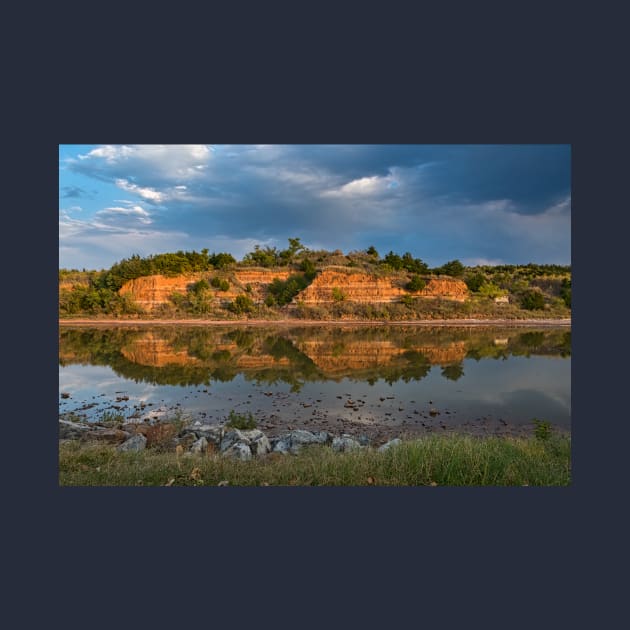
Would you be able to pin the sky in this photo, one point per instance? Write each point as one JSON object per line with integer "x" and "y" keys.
{"x": 481, "y": 204}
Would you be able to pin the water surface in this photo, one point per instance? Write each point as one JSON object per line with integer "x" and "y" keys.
{"x": 376, "y": 380}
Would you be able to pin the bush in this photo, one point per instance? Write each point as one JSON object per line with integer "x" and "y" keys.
{"x": 338, "y": 295}
{"x": 240, "y": 421}
{"x": 532, "y": 300}
{"x": 416, "y": 284}
{"x": 242, "y": 304}
{"x": 474, "y": 282}
{"x": 218, "y": 283}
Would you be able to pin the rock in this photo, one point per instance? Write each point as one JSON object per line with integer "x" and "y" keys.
{"x": 212, "y": 433}
{"x": 281, "y": 446}
{"x": 345, "y": 443}
{"x": 200, "y": 446}
{"x": 261, "y": 445}
{"x": 231, "y": 437}
{"x": 364, "y": 440}
{"x": 388, "y": 445}
{"x": 239, "y": 451}
{"x": 65, "y": 395}
{"x": 135, "y": 443}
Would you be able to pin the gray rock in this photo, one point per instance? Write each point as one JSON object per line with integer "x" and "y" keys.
{"x": 388, "y": 445}
{"x": 345, "y": 443}
{"x": 212, "y": 433}
{"x": 231, "y": 437}
{"x": 200, "y": 446}
{"x": 261, "y": 445}
{"x": 239, "y": 451}
{"x": 135, "y": 443}
{"x": 364, "y": 440}
{"x": 281, "y": 446}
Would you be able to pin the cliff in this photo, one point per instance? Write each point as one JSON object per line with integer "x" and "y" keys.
{"x": 353, "y": 287}
{"x": 151, "y": 291}
{"x": 329, "y": 286}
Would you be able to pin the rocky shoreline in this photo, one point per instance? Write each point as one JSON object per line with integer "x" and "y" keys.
{"x": 200, "y": 438}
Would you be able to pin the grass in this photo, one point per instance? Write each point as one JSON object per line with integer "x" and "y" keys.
{"x": 455, "y": 460}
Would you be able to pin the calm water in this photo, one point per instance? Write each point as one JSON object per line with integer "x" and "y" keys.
{"x": 371, "y": 379}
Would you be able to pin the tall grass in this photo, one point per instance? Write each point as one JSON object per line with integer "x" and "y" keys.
{"x": 455, "y": 460}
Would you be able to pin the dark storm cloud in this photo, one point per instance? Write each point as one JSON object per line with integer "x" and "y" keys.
{"x": 478, "y": 203}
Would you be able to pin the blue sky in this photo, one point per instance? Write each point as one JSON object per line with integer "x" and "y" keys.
{"x": 482, "y": 204}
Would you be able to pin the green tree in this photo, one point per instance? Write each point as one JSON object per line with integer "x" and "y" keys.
{"x": 533, "y": 299}
{"x": 451, "y": 268}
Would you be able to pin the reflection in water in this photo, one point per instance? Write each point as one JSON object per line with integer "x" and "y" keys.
{"x": 195, "y": 356}
{"x": 339, "y": 378}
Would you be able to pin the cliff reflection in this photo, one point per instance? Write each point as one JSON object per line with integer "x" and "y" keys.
{"x": 195, "y": 355}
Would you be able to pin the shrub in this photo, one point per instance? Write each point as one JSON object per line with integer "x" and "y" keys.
{"x": 218, "y": 283}
{"x": 542, "y": 430}
{"x": 338, "y": 295}
{"x": 532, "y": 300}
{"x": 416, "y": 284}
{"x": 474, "y": 282}
{"x": 241, "y": 421}
{"x": 242, "y": 304}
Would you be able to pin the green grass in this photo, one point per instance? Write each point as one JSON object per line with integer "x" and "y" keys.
{"x": 455, "y": 460}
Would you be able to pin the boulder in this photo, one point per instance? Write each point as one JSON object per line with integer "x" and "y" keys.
{"x": 135, "y": 443}
{"x": 345, "y": 443}
{"x": 239, "y": 450}
{"x": 260, "y": 446}
{"x": 388, "y": 445}
{"x": 212, "y": 433}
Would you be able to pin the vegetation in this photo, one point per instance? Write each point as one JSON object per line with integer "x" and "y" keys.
{"x": 241, "y": 421}
{"x": 533, "y": 299}
{"x": 281, "y": 292}
{"x": 416, "y": 284}
{"x": 220, "y": 283}
{"x": 447, "y": 460}
{"x": 242, "y": 304}
{"x": 530, "y": 288}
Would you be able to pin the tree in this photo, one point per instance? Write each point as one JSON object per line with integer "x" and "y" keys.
{"x": 371, "y": 251}
{"x": 532, "y": 300}
{"x": 393, "y": 260}
{"x": 451, "y": 268}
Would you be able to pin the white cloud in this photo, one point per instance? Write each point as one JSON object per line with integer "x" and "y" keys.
{"x": 363, "y": 187}
{"x": 115, "y": 213}
{"x": 146, "y": 193}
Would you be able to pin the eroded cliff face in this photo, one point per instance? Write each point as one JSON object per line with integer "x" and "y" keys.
{"x": 329, "y": 286}
{"x": 446, "y": 288}
{"x": 149, "y": 292}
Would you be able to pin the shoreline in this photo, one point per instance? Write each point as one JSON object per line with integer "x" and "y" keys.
{"x": 313, "y": 322}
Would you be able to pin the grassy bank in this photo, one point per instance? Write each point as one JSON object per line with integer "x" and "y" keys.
{"x": 454, "y": 460}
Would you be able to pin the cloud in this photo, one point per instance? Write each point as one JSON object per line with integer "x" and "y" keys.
{"x": 146, "y": 193}
{"x": 494, "y": 203}
{"x": 131, "y": 214}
